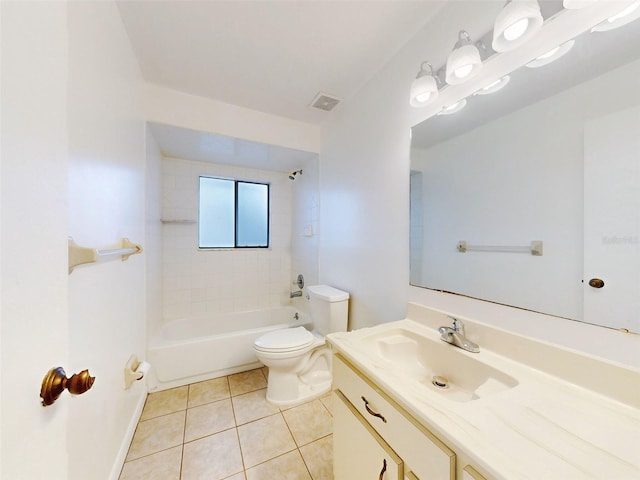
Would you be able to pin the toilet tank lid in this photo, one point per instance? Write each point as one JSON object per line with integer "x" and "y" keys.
{"x": 327, "y": 293}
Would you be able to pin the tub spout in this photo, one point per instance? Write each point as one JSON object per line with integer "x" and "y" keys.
{"x": 295, "y": 294}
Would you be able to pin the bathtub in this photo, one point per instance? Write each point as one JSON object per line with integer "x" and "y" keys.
{"x": 194, "y": 349}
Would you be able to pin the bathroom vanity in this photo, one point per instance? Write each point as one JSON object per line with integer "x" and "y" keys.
{"x": 409, "y": 406}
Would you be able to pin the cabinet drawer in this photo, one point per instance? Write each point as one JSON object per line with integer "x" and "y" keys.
{"x": 358, "y": 451}
{"x": 423, "y": 453}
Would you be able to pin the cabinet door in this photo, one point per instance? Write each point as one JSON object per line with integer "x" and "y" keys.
{"x": 470, "y": 473}
{"x": 358, "y": 451}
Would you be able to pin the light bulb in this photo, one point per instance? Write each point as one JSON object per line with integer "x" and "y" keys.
{"x": 516, "y": 30}
{"x": 423, "y": 97}
{"x": 550, "y": 53}
{"x": 624, "y": 12}
{"x": 463, "y": 71}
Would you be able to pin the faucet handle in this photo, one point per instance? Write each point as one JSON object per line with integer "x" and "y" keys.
{"x": 458, "y": 326}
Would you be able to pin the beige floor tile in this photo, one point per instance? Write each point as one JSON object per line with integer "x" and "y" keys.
{"x": 286, "y": 467}
{"x": 238, "y": 476}
{"x": 246, "y": 382}
{"x": 209, "y": 419}
{"x": 167, "y": 401}
{"x": 264, "y": 439}
{"x": 157, "y": 434}
{"x": 212, "y": 458}
{"x": 252, "y": 406}
{"x": 309, "y": 422}
{"x": 163, "y": 465}
{"x": 327, "y": 401}
{"x": 318, "y": 456}
{"x": 208, "y": 391}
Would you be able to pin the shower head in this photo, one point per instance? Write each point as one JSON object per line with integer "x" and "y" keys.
{"x": 292, "y": 176}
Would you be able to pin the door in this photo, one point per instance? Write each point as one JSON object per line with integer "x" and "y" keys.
{"x": 612, "y": 220}
{"x": 359, "y": 452}
{"x": 34, "y": 233}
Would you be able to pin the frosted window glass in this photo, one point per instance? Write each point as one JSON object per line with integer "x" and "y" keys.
{"x": 216, "y": 218}
{"x": 233, "y": 214}
{"x": 252, "y": 215}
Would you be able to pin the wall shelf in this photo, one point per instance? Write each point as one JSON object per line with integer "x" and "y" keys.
{"x": 80, "y": 255}
{"x": 178, "y": 222}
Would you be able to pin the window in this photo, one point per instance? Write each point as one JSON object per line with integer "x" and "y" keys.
{"x": 233, "y": 214}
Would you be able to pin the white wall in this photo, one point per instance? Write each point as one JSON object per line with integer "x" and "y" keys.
{"x": 106, "y": 203}
{"x": 364, "y": 246}
{"x": 34, "y": 215}
{"x": 364, "y": 174}
{"x": 153, "y": 233}
{"x": 209, "y": 282}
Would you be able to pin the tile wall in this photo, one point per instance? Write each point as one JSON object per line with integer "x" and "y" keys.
{"x": 210, "y": 282}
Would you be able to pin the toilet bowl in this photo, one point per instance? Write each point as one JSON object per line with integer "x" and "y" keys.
{"x": 299, "y": 361}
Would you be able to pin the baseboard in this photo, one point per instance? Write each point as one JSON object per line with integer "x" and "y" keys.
{"x": 128, "y": 437}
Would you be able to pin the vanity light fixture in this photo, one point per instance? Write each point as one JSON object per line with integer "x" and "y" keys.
{"x": 516, "y": 23}
{"x": 626, "y": 15}
{"x": 552, "y": 55}
{"x": 493, "y": 87}
{"x": 464, "y": 62}
{"x": 424, "y": 88}
{"x": 576, "y": 4}
{"x": 456, "y": 107}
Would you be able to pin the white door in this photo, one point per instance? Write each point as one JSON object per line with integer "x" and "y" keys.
{"x": 612, "y": 220}
{"x": 33, "y": 246}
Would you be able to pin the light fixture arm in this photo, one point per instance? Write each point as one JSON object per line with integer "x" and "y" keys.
{"x": 463, "y": 39}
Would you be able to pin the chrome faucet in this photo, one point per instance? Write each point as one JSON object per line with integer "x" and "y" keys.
{"x": 455, "y": 336}
{"x": 295, "y": 294}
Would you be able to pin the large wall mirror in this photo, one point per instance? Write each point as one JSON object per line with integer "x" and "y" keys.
{"x": 552, "y": 157}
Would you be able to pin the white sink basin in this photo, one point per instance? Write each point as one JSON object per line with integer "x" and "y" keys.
{"x": 431, "y": 362}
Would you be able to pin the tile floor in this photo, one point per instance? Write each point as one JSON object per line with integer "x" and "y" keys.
{"x": 225, "y": 429}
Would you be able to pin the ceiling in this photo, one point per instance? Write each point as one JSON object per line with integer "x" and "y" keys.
{"x": 271, "y": 56}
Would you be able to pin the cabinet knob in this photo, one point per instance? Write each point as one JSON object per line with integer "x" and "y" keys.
{"x": 384, "y": 468}
{"x": 596, "y": 283}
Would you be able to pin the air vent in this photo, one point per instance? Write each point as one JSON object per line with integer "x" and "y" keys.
{"x": 324, "y": 102}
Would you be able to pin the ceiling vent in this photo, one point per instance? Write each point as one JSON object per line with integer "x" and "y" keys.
{"x": 324, "y": 102}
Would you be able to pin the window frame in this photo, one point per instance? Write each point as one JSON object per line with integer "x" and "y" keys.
{"x": 235, "y": 213}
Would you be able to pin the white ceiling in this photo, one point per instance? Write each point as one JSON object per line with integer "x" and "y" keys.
{"x": 210, "y": 147}
{"x": 271, "y": 56}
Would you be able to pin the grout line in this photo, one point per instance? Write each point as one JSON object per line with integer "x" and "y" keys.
{"x": 235, "y": 421}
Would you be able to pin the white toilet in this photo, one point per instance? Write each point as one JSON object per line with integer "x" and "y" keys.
{"x": 299, "y": 361}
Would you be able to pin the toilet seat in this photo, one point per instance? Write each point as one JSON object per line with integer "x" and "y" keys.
{"x": 285, "y": 340}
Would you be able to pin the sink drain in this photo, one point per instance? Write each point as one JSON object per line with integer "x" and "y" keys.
{"x": 440, "y": 382}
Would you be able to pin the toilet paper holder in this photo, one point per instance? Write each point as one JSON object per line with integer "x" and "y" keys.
{"x": 134, "y": 370}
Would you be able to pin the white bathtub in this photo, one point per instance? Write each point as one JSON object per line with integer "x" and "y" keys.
{"x": 194, "y": 349}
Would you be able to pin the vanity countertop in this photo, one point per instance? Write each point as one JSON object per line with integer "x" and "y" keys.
{"x": 543, "y": 428}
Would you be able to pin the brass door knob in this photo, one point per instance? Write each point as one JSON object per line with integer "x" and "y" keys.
{"x": 55, "y": 382}
{"x": 596, "y": 283}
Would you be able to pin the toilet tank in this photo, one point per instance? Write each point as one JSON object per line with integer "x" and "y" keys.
{"x": 329, "y": 308}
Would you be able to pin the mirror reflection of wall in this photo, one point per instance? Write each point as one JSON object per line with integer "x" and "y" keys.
{"x": 513, "y": 180}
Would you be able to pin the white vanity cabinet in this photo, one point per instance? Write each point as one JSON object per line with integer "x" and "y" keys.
{"x": 359, "y": 451}
{"x": 424, "y": 456}
{"x": 470, "y": 473}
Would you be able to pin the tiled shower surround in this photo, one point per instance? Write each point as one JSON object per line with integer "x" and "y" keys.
{"x": 209, "y": 282}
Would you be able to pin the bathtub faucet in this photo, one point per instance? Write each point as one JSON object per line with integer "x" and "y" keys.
{"x": 295, "y": 294}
